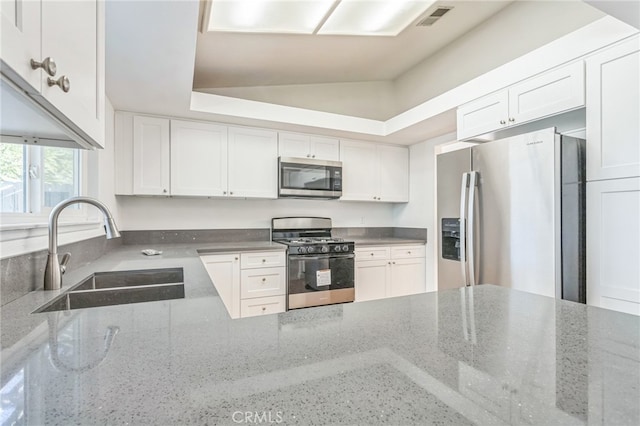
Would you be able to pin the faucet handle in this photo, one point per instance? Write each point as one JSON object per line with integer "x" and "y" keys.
{"x": 64, "y": 261}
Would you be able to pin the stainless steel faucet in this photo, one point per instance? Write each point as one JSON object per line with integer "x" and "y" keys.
{"x": 55, "y": 267}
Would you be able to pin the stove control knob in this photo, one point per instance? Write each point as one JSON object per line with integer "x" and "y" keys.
{"x": 310, "y": 249}
{"x": 337, "y": 249}
{"x": 345, "y": 248}
{"x": 302, "y": 249}
{"x": 325, "y": 249}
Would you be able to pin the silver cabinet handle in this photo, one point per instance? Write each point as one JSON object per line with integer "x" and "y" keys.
{"x": 408, "y": 252}
{"x": 63, "y": 83}
{"x": 379, "y": 198}
{"x": 264, "y": 260}
{"x": 393, "y": 263}
{"x": 463, "y": 225}
{"x": 374, "y": 197}
{"x": 48, "y": 65}
{"x": 264, "y": 279}
{"x": 164, "y": 191}
{"x": 511, "y": 119}
{"x": 235, "y": 258}
{"x": 371, "y": 254}
{"x": 264, "y": 308}
{"x": 503, "y": 122}
{"x": 231, "y": 193}
{"x": 389, "y": 263}
{"x": 224, "y": 192}
{"x": 313, "y": 156}
{"x": 308, "y": 155}
{"x": 473, "y": 182}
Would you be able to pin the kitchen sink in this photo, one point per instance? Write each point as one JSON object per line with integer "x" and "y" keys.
{"x": 120, "y": 287}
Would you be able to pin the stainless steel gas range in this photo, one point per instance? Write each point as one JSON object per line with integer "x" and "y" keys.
{"x": 320, "y": 268}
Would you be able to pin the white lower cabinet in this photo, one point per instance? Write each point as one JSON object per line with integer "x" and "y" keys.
{"x": 613, "y": 244}
{"x": 389, "y": 271}
{"x": 250, "y": 283}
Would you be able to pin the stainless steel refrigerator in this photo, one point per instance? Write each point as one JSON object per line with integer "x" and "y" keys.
{"x": 512, "y": 213}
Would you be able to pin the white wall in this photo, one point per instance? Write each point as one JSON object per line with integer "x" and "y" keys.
{"x": 420, "y": 212}
{"x": 490, "y": 45}
{"x": 147, "y": 213}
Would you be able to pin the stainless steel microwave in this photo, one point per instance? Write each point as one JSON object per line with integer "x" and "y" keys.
{"x": 309, "y": 178}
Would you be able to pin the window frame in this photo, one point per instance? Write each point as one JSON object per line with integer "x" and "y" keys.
{"x": 34, "y": 192}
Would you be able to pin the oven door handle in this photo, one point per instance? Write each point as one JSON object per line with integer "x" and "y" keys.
{"x": 325, "y": 256}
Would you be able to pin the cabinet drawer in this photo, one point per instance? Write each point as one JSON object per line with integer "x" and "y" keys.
{"x": 262, "y": 282}
{"x": 262, "y": 259}
{"x": 262, "y": 306}
{"x": 372, "y": 253}
{"x": 406, "y": 252}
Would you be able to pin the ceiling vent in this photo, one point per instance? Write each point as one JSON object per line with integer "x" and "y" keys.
{"x": 433, "y": 18}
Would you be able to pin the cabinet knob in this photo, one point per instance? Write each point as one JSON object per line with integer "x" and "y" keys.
{"x": 503, "y": 122}
{"x": 374, "y": 197}
{"x": 511, "y": 119}
{"x": 63, "y": 83}
{"x": 264, "y": 260}
{"x": 371, "y": 254}
{"x": 379, "y": 198}
{"x": 231, "y": 193}
{"x": 389, "y": 263}
{"x": 393, "y": 263}
{"x": 264, "y": 308}
{"x": 164, "y": 191}
{"x": 235, "y": 258}
{"x": 224, "y": 192}
{"x": 313, "y": 156}
{"x": 308, "y": 155}
{"x": 264, "y": 279}
{"x": 408, "y": 252}
{"x": 48, "y": 65}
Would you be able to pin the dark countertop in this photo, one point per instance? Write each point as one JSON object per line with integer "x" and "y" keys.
{"x": 483, "y": 355}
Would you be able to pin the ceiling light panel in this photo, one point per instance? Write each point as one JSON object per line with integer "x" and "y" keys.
{"x": 373, "y": 17}
{"x": 268, "y": 16}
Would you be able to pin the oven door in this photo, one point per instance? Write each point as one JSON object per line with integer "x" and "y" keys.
{"x": 302, "y": 178}
{"x": 320, "y": 280}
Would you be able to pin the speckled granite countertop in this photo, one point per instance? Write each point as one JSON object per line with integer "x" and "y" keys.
{"x": 387, "y": 241}
{"x": 486, "y": 355}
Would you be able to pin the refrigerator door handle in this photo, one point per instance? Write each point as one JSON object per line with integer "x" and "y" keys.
{"x": 463, "y": 225}
{"x": 473, "y": 183}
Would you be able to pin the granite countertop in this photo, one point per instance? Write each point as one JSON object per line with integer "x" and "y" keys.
{"x": 483, "y": 355}
{"x": 387, "y": 241}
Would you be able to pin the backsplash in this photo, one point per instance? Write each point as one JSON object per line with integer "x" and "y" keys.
{"x": 22, "y": 274}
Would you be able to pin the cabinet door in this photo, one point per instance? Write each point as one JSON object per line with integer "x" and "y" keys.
{"x": 293, "y": 145}
{"x": 20, "y": 38}
{"x": 613, "y": 108}
{"x": 483, "y": 115}
{"x": 393, "y": 172}
{"x": 371, "y": 280}
{"x": 150, "y": 156}
{"x": 550, "y": 93}
{"x": 325, "y": 148}
{"x": 613, "y": 244}
{"x": 407, "y": 277}
{"x": 224, "y": 271}
{"x": 253, "y": 163}
{"x": 198, "y": 159}
{"x": 73, "y": 34}
{"x": 359, "y": 171}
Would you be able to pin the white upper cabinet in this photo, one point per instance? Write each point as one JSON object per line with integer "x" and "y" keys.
{"x": 308, "y": 146}
{"x": 373, "y": 172}
{"x": 71, "y": 35}
{"x": 613, "y": 108}
{"x": 548, "y": 94}
{"x": 198, "y": 159}
{"x": 253, "y": 163}
{"x": 20, "y": 31}
{"x": 483, "y": 115}
{"x": 151, "y": 175}
{"x": 393, "y": 170}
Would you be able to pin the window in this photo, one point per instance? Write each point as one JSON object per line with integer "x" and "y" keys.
{"x": 33, "y": 179}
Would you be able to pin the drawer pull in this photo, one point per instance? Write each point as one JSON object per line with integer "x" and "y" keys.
{"x": 408, "y": 252}
{"x": 371, "y": 254}
{"x": 264, "y": 279}
{"x": 235, "y": 258}
{"x": 264, "y": 260}
{"x": 264, "y": 308}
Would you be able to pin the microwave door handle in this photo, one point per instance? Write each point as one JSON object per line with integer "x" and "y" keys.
{"x": 463, "y": 224}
